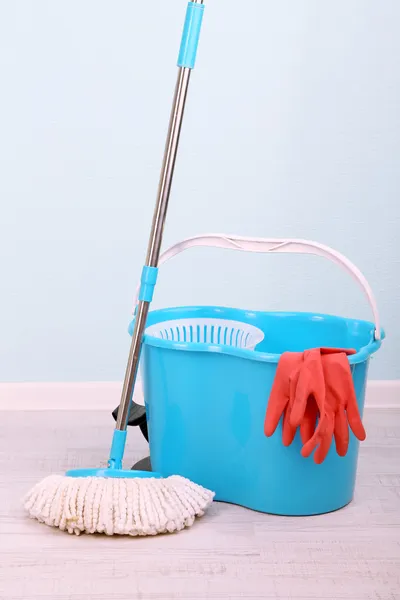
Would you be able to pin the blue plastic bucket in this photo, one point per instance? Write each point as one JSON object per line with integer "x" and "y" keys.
{"x": 206, "y": 405}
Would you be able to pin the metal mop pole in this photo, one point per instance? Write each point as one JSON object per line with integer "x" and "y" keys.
{"x": 186, "y": 62}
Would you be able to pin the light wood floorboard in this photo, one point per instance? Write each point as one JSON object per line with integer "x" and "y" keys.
{"x": 230, "y": 554}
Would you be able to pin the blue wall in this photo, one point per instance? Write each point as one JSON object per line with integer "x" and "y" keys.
{"x": 292, "y": 129}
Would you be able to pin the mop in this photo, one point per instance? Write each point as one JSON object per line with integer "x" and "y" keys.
{"x": 114, "y": 500}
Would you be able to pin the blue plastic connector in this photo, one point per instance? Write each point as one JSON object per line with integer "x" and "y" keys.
{"x": 191, "y": 35}
{"x": 148, "y": 282}
{"x": 117, "y": 450}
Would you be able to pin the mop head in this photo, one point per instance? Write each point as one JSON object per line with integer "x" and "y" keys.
{"x": 117, "y": 506}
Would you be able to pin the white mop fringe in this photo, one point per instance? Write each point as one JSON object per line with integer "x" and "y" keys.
{"x": 135, "y": 507}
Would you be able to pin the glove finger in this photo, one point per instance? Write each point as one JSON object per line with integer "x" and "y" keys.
{"x": 302, "y": 394}
{"x": 288, "y": 432}
{"x": 308, "y": 424}
{"x": 326, "y": 440}
{"x": 310, "y": 446}
{"x": 341, "y": 432}
{"x": 317, "y": 437}
{"x": 315, "y": 440}
{"x": 355, "y": 422}
{"x": 277, "y": 403}
{"x": 350, "y": 402}
{"x": 279, "y": 396}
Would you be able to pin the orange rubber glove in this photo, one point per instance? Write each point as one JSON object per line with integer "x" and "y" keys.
{"x": 299, "y": 376}
{"x": 309, "y": 396}
{"x": 279, "y": 399}
{"x": 308, "y": 424}
{"x": 316, "y": 383}
{"x": 341, "y": 409}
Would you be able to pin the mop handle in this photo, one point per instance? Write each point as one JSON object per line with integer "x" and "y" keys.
{"x": 186, "y": 62}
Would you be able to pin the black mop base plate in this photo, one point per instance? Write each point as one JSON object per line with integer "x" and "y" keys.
{"x": 142, "y": 465}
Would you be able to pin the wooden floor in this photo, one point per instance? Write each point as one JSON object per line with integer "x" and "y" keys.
{"x": 231, "y": 553}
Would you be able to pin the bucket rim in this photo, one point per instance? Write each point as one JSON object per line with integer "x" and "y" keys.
{"x": 361, "y": 356}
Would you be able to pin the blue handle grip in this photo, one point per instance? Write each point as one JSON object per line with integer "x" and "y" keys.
{"x": 148, "y": 282}
{"x": 191, "y": 35}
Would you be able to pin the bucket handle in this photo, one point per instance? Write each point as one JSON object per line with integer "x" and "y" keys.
{"x": 276, "y": 245}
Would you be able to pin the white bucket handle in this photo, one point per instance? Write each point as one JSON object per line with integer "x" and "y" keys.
{"x": 275, "y": 245}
